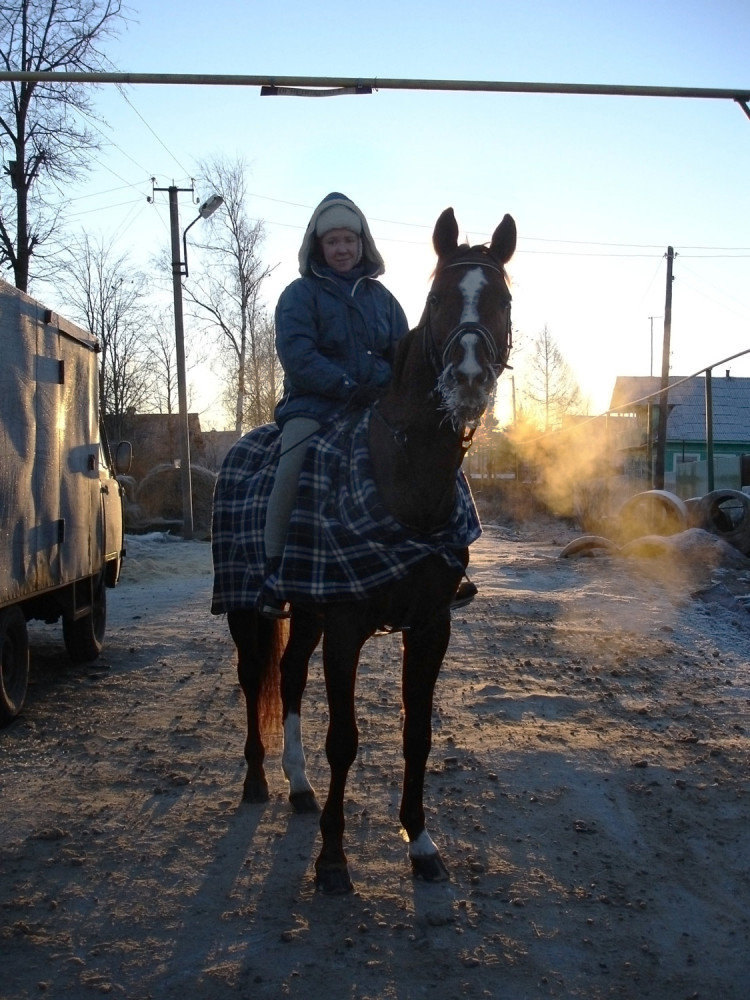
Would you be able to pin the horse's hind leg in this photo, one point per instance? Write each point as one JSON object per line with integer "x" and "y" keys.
{"x": 424, "y": 648}
{"x": 254, "y": 638}
{"x": 305, "y": 633}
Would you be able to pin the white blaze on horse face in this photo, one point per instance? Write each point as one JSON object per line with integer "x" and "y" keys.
{"x": 470, "y": 367}
{"x": 471, "y": 286}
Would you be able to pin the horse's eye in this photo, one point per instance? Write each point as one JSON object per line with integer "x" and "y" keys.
{"x": 432, "y": 299}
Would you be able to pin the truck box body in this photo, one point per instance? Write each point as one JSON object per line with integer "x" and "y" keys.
{"x": 60, "y": 503}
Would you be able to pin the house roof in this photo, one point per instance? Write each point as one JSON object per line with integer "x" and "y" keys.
{"x": 687, "y": 404}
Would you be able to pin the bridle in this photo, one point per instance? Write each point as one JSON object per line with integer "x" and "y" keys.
{"x": 439, "y": 359}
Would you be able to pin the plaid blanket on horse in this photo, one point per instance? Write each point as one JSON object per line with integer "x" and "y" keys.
{"x": 342, "y": 542}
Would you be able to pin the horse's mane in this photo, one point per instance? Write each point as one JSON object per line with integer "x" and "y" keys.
{"x": 402, "y": 351}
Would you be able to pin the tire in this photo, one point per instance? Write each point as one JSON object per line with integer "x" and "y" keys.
{"x": 84, "y": 637}
{"x": 14, "y": 663}
{"x": 655, "y": 512}
{"x": 589, "y": 545}
{"x": 726, "y": 513}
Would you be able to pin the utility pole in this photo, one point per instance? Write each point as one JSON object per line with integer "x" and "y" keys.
{"x": 661, "y": 440}
{"x": 178, "y": 269}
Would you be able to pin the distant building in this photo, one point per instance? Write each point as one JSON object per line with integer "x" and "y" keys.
{"x": 634, "y": 420}
{"x": 156, "y": 439}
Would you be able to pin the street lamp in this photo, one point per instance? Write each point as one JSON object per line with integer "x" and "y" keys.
{"x": 206, "y": 210}
{"x": 179, "y": 268}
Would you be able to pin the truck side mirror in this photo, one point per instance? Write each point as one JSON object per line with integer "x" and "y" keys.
{"x": 123, "y": 457}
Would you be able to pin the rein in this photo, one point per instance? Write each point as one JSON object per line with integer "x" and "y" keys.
{"x": 401, "y": 437}
{"x": 401, "y": 440}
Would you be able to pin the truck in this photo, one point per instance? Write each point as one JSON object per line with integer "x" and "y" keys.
{"x": 61, "y": 504}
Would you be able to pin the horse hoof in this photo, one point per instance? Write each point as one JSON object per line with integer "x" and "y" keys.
{"x": 333, "y": 881}
{"x": 304, "y": 802}
{"x": 255, "y": 790}
{"x": 429, "y": 868}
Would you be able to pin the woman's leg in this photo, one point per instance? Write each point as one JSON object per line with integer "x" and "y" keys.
{"x": 295, "y": 439}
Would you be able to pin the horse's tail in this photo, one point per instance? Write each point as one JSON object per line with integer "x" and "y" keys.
{"x": 260, "y": 644}
{"x": 270, "y": 713}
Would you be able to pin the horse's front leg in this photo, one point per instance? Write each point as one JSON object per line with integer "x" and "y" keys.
{"x": 306, "y": 630}
{"x": 424, "y": 649}
{"x": 342, "y": 643}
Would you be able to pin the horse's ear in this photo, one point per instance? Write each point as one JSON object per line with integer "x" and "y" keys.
{"x": 445, "y": 234}
{"x": 503, "y": 243}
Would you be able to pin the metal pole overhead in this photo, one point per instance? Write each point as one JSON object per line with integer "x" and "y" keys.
{"x": 361, "y": 84}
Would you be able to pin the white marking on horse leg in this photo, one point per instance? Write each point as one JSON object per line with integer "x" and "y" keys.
{"x": 471, "y": 285}
{"x": 423, "y": 846}
{"x": 293, "y": 756}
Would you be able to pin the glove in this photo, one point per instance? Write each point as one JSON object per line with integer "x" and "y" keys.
{"x": 364, "y": 396}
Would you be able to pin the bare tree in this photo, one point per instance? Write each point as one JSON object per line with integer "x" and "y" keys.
{"x": 227, "y": 291}
{"x": 105, "y": 295}
{"x": 164, "y": 357}
{"x": 264, "y": 375}
{"x": 549, "y": 385}
{"x": 161, "y": 349}
{"x": 43, "y": 136}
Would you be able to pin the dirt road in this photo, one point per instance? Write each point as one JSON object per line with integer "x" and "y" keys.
{"x": 588, "y": 788}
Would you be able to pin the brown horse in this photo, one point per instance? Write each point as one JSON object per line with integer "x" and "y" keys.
{"x": 445, "y": 371}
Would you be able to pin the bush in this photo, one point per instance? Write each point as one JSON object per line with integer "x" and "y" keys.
{"x": 160, "y": 496}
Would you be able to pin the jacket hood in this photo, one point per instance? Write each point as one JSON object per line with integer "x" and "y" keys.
{"x": 370, "y": 256}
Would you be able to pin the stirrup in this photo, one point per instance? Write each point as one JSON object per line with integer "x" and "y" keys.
{"x": 273, "y": 608}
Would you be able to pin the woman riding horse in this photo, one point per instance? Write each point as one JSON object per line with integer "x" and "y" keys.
{"x": 405, "y": 525}
{"x": 336, "y": 333}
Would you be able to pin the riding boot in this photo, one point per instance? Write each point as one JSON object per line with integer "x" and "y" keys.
{"x": 464, "y": 595}
{"x": 269, "y": 605}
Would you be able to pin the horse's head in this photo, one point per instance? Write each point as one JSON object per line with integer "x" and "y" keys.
{"x": 466, "y": 322}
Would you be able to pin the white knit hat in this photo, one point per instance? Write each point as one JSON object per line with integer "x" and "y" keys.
{"x": 336, "y": 210}
{"x": 338, "y": 217}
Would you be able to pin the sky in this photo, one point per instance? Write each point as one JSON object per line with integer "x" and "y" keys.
{"x": 599, "y": 186}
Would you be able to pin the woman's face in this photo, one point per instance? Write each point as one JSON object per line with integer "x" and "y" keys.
{"x": 340, "y": 249}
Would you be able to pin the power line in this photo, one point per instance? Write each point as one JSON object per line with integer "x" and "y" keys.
{"x": 714, "y": 251}
{"x": 164, "y": 146}
{"x": 91, "y": 211}
{"x": 98, "y": 194}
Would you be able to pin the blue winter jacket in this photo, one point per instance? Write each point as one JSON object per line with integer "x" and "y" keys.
{"x": 335, "y": 332}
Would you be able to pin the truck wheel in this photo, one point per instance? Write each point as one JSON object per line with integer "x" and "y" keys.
{"x": 84, "y": 637}
{"x": 14, "y": 663}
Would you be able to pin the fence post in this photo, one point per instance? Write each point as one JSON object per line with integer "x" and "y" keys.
{"x": 709, "y": 432}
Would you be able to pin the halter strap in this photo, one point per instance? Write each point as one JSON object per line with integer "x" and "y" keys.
{"x": 469, "y": 263}
{"x": 480, "y": 331}
{"x": 430, "y": 348}
{"x": 439, "y": 362}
